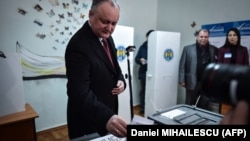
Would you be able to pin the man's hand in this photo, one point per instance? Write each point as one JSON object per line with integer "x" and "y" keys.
{"x": 239, "y": 115}
{"x": 182, "y": 84}
{"x": 119, "y": 88}
{"x": 117, "y": 126}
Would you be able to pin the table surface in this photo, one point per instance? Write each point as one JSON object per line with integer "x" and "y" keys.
{"x": 28, "y": 113}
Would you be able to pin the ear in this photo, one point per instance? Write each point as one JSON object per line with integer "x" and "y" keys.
{"x": 91, "y": 13}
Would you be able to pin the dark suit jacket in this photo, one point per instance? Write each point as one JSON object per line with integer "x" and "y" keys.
{"x": 242, "y": 57}
{"x": 91, "y": 78}
{"x": 142, "y": 53}
{"x": 188, "y": 64}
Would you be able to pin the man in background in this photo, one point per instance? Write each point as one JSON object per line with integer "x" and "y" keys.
{"x": 141, "y": 59}
{"x": 194, "y": 59}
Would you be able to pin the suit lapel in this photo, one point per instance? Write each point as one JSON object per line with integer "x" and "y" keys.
{"x": 99, "y": 50}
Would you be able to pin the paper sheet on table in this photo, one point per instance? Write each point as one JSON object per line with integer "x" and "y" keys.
{"x": 173, "y": 113}
{"x": 137, "y": 120}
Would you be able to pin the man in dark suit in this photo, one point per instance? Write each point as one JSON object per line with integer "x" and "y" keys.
{"x": 194, "y": 59}
{"x": 94, "y": 81}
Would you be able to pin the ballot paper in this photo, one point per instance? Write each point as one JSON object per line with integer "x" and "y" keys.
{"x": 173, "y": 113}
{"x": 137, "y": 120}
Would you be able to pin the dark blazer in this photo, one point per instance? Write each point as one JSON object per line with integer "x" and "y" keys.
{"x": 91, "y": 78}
{"x": 242, "y": 57}
{"x": 188, "y": 64}
{"x": 142, "y": 53}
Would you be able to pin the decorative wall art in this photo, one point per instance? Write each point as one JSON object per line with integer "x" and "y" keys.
{"x": 50, "y": 25}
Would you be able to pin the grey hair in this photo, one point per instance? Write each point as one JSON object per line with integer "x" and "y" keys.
{"x": 196, "y": 33}
{"x": 96, "y": 3}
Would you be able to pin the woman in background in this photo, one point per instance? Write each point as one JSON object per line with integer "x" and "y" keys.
{"x": 232, "y": 52}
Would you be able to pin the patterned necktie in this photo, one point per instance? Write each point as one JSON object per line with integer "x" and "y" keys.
{"x": 106, "y": 48}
